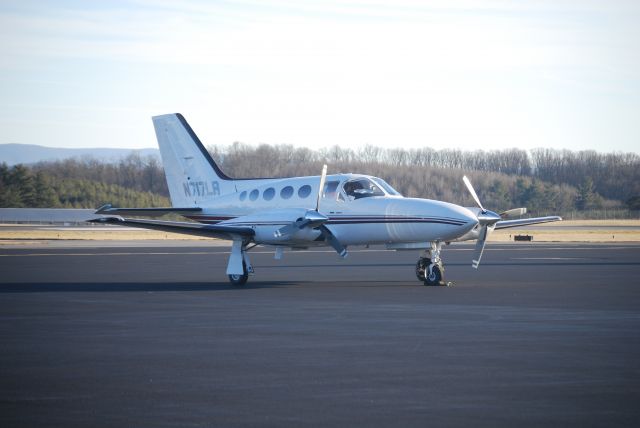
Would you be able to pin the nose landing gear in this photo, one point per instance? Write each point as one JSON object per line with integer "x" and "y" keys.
{"x": 429, "y": 268}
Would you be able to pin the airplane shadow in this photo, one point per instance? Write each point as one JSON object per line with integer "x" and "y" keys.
{"x": 119, "y": 287}
{"x": 549, "y": 262}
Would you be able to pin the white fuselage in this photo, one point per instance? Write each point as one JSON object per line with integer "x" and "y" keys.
{"x": 385, "y": 217}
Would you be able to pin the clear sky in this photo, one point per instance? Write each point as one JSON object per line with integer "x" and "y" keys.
{"x": 466, "y": 74}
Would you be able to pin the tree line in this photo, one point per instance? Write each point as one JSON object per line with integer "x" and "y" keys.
{"x": 143, "y": 174}
{"x": 544, "y": 180}
{"x": 25, "y": 187}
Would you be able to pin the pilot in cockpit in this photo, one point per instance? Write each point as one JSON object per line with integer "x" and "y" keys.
{"x": 350, "y": 188}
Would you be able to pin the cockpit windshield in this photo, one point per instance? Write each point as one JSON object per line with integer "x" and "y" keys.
{"x": 386, "y": 186}
{"x": 361, "y": 188}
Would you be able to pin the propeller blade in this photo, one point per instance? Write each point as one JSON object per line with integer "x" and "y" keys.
{"x": 515, "y": 212}
{"x": 333, "y": 241}
{"x": 477, "y": 253}
{"x": 482, "y": 240}
{"x": 473, "y": 193}
{"x": 290, "y": 229}
{"x": 311, "y": 219}
{"x": 323, "y": 177}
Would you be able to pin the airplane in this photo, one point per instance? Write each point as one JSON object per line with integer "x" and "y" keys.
{"x": 337, "y": 210}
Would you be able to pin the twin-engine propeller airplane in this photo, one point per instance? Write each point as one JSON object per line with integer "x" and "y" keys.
{"x": 338, "y": 210}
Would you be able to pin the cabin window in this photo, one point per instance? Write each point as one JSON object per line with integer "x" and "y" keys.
{"x": 254, "y": 194}
{"x": 286, "y": 192}
{"x": 269, "y": 194}
{"x": 330, "y": 188}
{"x": 243, "y": 195}
{"x": 361, "y": 188}
{"x": 304, "y": 191}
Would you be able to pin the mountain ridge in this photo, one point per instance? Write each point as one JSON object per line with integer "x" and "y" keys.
{"x": 13, "y": 154}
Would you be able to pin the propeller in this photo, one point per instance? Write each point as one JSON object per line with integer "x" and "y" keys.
{"x": 487, "y": 220}
{"x": 311, "y": 219}
{"x": 314, "y": 219}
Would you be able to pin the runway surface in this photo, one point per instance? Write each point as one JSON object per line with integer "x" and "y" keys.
{"x": 541, "y": 334}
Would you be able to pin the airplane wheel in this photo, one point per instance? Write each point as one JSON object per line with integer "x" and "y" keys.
{"x": 421, "y": 268}
{"x": 239, "y": 280}
{"x": 435, "y": 277}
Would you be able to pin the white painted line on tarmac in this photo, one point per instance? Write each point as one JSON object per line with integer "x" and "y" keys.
{"x": 368, "y": 250}
{"x": 549, "y": 258}
{"x": 169, "y": 253}
{"x": 551, "y": 248}
{"x": 110, "y": 254}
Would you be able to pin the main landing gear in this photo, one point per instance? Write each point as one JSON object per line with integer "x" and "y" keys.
{"x": 239, "y": 266}
{"x": 429, "y": 268}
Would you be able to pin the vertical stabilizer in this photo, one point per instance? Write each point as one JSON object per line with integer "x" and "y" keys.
{"x": 193, "y": 178}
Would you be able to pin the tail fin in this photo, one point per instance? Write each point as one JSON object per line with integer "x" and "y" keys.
{"x": 192, "y": 175}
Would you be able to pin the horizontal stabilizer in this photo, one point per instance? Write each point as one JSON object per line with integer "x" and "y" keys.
{"x": 147, "y": 212}
{"x": 503, "y": 224}
{"x": 197, "y": 229}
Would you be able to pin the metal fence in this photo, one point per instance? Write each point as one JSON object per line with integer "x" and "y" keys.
{"x": 46, "y": 215}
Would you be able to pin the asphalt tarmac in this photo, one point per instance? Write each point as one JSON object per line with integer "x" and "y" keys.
{"x": 540, "y": 335}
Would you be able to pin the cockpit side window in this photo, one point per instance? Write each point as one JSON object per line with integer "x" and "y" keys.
{"x": 361, "y": 188}
{"x": 330, "y": 188}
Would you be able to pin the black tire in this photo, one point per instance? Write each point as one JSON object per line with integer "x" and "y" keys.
{"x": 421, "y": 267}
{"x": 239, "y": 280}
{"x": 435, "y": 278}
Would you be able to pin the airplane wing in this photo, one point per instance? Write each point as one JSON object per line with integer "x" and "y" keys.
{"x": 148, "y": 212}
{"x": 504, "y": 224}
{"x": 198, "y": 229}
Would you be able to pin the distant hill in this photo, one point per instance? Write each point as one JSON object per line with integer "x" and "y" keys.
{"x": 13, "y": 154}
